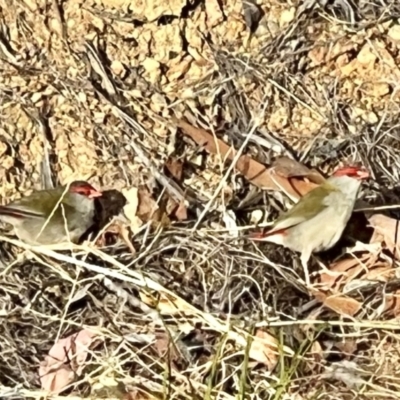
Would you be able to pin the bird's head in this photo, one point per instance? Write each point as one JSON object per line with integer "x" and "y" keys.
{"x": 358, "y": 173}
{"x": 85, "y": 189}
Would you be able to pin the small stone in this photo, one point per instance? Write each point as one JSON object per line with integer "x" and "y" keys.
{"x": 117, "y": 68}
{"x": 287, "y": 16}
{"x": 394, "y": 33}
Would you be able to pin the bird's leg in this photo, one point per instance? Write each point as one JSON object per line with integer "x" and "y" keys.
{"x": 305, "y": 256}
{"x": 325, "y": 268}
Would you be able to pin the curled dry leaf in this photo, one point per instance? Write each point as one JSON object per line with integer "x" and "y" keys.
{"x": 392, "y": 304}
{"x": 293, "y": 170}
{"x": 347, "y": 347}
{"x": 263, "y": 349}
{"x": 388, "y": 230}
{"x": 147, "y": 208}
{"x": 346, "y": 270}
{"x": 255, "y": 172}
{"x": 130, "y": 209}
{"x": 66, "y": 359}
{"x": 141, "y": 207}
{"x": 317, "y": 354}
{"x": 181, "y": 212}
{"x": 380, "y": 272}
{"x": 175, "y": 168}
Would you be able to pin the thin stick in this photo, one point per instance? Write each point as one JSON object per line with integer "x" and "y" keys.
{"x": 257, "y": 123}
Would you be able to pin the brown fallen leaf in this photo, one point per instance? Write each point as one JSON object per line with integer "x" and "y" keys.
{"x": 302, "y": 187}
{"x": 175, "y": 168}
{"x": 347, "y": 270}
{"x": 172, "y": 351}
{"x": 258, "y": 174}
{"x": 380, "y": 272}
{"x": 148, "y": 208}
{"x": 175, "y": 209}
{"x": 65, "y": 361}
{"x": 340, "y": 304}
{"x": 388, "y": 230}
{"x": 392, "y": 304}
{"x": 289, "y": 168}
{"x": 263, "y": 349}
{"x": 315, "y": 356}
{"x": 347, "y": 346}
{"x": 130, "y": 209}
{"x": 181, "y": 212}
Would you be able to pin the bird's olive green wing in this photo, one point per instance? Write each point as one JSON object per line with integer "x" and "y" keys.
{"x": 40, "y": 203}
{"x": 308, "y": 207}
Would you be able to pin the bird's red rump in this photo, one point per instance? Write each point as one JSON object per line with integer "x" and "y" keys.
{"x": 349, "y": 171}
{"x": 260, "y": 235}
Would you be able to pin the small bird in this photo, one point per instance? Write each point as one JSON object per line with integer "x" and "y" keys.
{"x": 53, "y": 216}
{"x": 318, "y": 220}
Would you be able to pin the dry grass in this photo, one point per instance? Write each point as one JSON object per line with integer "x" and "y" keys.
{"x": 92, "y": 89}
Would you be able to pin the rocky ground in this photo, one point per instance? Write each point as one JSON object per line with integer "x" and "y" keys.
{"x": 179, "y": 105}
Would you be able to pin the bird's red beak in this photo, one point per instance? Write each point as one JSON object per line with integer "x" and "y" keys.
{"x": 94, "y": 193}
{"x": 362, "y": 174}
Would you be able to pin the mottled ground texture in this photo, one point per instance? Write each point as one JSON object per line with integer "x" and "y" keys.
{"x": 175, "y": 301}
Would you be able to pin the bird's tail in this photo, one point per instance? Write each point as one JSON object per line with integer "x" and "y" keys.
{"x": 17, "y": 213}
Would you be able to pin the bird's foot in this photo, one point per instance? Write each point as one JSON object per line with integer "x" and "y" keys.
{"x": 325, "y": 270}
{"x": 373, "y": 248}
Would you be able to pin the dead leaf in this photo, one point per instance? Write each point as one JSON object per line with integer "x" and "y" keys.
{"x": 388, "y": 229}
{"x": 348, "y": 267}
{"x": 167, "y": 349}
{"x": 317, "y": 352}
{"x": 181, "y": 212}
{"x": 302, "y": 187}
{"x": 66, "y": 359}
{"x": 341, "y": 304}
{"x": 175, "y": 168}
{"x": 263, "y": 349}
{"x": 257, "y": 173}
{"x": 81, "y": 293}
{"x": 130, "y": 209}
{"x": 380, "y": 272}
{"x": 289, "y": 168}
{"x": 148, "y": 208}
{"x": 252, "y": 14}
{"x": 214, "y": 13}
{"x": 348, "y": 347}
{"x": 392, "y": 306}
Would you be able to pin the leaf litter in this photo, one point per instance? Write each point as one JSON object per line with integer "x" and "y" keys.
{"x": 112, "y": 84}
